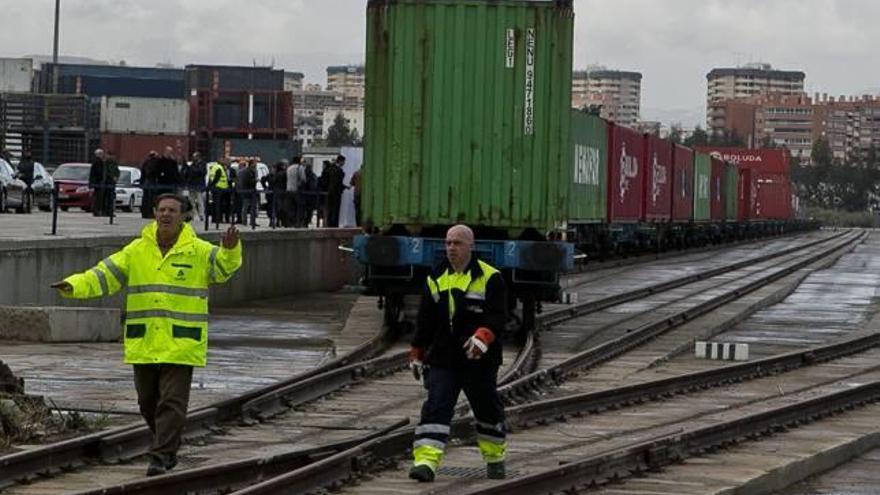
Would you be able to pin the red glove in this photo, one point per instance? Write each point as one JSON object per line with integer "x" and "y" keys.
{"x": 479, "y": 343}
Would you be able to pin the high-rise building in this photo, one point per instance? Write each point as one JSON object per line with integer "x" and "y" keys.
{"x": 617, "y": 93}
{"x": 748, "y": 81}
{"x": 346, "y": 79}
{"x": 851, "y": 125}
{"x": 293, "y": 81}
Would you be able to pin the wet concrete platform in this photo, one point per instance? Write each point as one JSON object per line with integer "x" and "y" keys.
{"x": 250, "y": 345}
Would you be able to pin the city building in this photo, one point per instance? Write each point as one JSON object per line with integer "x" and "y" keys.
{"x": 851, "y": 125}
{"x": 293, "y": 81}
{"x": 346, "y": 79}
{"x": 618, "y": 94}
{"x": 308, "y": 130}
{"x": 748, "y": 81}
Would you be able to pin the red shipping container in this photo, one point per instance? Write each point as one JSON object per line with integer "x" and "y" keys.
{"x": 772, "y": 197}
{"x": 626, "y": 162}
{"x": 657, "y": 204}
{"x": 745, "y": 203}
{"x": 716, "y": 198}
{"x": 132, "y": 149}
{"x": 771, "y": 161}
{"x": 683, "y": 184}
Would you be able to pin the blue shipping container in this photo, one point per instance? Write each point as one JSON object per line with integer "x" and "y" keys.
{"x": 116, "y": 71}
{"x": 96, "y": 87}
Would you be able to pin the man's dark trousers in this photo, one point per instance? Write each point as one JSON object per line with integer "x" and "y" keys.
{"x": 163, "y": 396}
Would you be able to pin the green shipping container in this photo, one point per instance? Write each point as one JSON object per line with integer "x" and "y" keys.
{"x": 589, "y": 168}
{"x": 702, "y": 178}
{"x": 731, "y": 188}
{"x": 467, "y": 113}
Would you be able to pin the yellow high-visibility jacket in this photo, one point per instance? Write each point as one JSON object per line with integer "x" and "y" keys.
{"x": 166, "y": 307}
{"x": 213, "y": 168}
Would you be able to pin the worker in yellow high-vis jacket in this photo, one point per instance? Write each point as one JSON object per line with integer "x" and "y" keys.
{"x": 461, "y": 317}
{"x": 167, "y": 271}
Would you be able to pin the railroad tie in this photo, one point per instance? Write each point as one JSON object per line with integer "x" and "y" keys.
{"x": 721, "y": 350}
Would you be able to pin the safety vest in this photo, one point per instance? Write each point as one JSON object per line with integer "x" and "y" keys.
{"x": 474, "y": 289}
{"x": 223, "y": 183}
{"x": 166, "y": 307}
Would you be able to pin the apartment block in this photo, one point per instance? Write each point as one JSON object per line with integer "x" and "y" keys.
{"x": 617, "y": 93}
{"x": 346, "y": 79}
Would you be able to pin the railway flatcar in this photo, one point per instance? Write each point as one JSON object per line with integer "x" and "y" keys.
{"x": 467, "y": 121}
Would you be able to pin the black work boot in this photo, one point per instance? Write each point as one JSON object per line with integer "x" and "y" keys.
{"x": 496, "y": 471}
{"x": 422, "y": 473}
{"x": 155, "y": 468}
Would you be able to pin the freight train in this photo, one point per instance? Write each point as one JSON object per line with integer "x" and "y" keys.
{"x": 468, "y": 120}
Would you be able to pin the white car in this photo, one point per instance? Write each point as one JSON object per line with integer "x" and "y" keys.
{"x": 129, "y": 194}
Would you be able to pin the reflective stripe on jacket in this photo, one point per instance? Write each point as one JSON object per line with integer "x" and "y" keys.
{"x": 223, "y": 183}
{"x": 166, "y": 306}
{"x": 453, "y": 306}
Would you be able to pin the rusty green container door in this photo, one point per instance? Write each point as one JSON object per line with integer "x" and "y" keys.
{"x": 467, "y": 113}
{"x": 702, "y": 189}
{"x": 731, "y": 189}
{"x": 589, "y": 167}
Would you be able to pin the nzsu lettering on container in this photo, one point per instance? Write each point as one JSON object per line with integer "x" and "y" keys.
{"x": 529, "y": 110}
{"x": 586, "y": 165}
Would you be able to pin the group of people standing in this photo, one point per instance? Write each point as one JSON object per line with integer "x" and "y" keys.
{"x": 103, "y": 174}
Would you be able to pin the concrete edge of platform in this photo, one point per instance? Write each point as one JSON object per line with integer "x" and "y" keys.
{"x": 59, "y": 324}
{"x": 797, "y": 471}
{"x": 63, "y": 242}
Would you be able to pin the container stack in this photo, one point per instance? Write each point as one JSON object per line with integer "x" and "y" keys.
{"x": 56, "y": 128}
{"x": 239, "y": 111}
{"x": 137, "y": 109}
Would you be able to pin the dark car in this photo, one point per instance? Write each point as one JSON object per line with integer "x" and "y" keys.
{"x": 73, "y": 186}
{"x": 12, "y": 190}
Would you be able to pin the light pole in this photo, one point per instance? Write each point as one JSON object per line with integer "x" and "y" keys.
{"x": 55, "y": 48}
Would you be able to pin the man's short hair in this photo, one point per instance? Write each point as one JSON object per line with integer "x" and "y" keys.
{"x": 340, "y": 158}
{"x": 184, "y": 202}
{"x": 297, "y": 159}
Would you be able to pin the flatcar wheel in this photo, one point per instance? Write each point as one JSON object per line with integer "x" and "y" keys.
{"x": 393, "y": 311}
{"x": 529, "y": 312}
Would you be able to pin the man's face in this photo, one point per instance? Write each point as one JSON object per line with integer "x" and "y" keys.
{"x": 169, "y": 215}
{"x": 458, "y": 247}
{"x": 169, "y": 152}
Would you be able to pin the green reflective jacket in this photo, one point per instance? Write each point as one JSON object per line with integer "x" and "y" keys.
{"x": 166, "y": 306}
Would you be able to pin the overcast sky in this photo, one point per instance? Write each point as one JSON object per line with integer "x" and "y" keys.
{"x": 673, "y": 43}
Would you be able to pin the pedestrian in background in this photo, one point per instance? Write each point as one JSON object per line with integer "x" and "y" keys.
{"x": 276, "y": 185}
{"x": 461, "y": 316}
{"x": 26, "y": 169}
{"x": 247, "y": 191}
{"x": 167, "y": 173}
{"x": 335, "y": 186}
{"x": 148, "y": 183}
{"x": 356, "y": 183}
{"x": 194, "y": 179}
{"x": 294, "y": 201}
{"x": 97, "y": 180}
{"x": 218, "y": 186}
{"x": 166, "y": 271}
{"x": 111, "y": 177}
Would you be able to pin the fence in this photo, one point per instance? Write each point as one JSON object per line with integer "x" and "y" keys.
{"x": 213, "y": 206}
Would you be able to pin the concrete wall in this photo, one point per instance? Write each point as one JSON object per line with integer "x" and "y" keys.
{"x": 276, "y": 263}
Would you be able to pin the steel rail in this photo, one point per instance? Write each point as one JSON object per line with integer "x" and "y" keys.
{"x": 678, "y": 446}
{"x": 525, "y": 387}
{"x": 130, "y": 441}
{"x": 344, "y": 465}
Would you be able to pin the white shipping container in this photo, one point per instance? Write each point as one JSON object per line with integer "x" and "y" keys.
{"x": 16, "y": 74}
{"x": 126, "y": 114}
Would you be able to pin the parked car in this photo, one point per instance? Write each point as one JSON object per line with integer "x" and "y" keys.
{"x": 13, "y": 191}
{"x": 42, "y": 187}
{"x": 129, "y": 194}
{"x": 73, "y": 186}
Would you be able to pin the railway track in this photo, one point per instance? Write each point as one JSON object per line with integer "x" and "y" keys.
{"x": 271, "y": 463}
